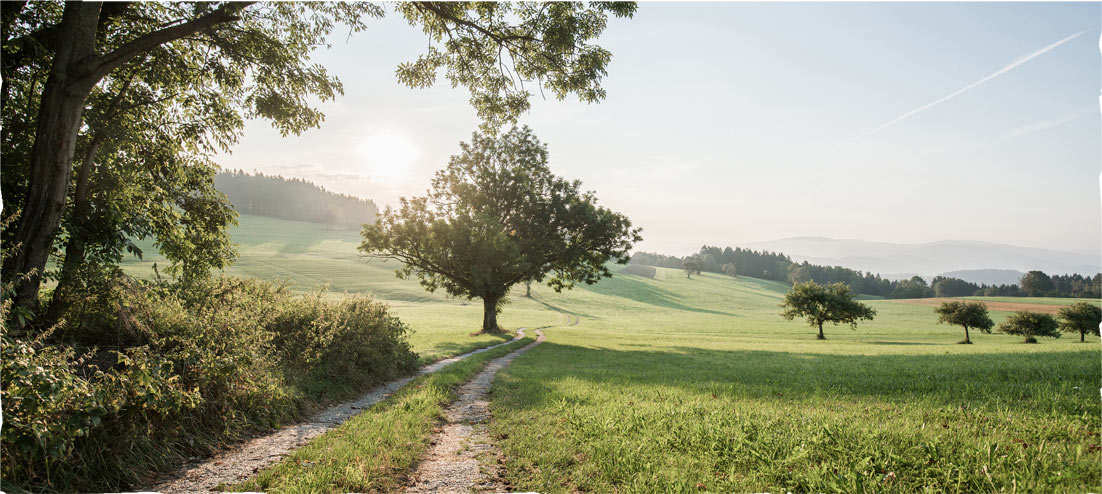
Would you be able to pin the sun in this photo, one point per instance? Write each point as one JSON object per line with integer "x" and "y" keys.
{"x": 388, "y": 155}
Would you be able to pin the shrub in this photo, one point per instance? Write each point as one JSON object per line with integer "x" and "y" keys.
{"x": 639, "y": 270}
{"x": 142, "y": 375}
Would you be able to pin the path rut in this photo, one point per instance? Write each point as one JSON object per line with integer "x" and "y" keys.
{"x": 242, "y": 461}
{"x": 455, "y": 461}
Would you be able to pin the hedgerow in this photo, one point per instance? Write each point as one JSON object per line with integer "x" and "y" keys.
{"x": 142, "y": 375}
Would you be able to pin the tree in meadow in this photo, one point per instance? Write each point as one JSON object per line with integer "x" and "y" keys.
{"x": 691, "y": 265}
{"x": 1080, "y": 317}
{"x": 819, "y": 304}
{"x": 1030, "y": 325}
{"x": 966, "y": 314}
{"x": 496, "y": 216}
{"x": 729, "y": 269}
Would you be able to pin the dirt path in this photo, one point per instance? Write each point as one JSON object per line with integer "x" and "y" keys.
{"x": 455, "y": 463}
{"x": 242, "y": 461}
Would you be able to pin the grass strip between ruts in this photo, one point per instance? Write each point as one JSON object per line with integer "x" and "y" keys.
{"x": 375, "y": 450}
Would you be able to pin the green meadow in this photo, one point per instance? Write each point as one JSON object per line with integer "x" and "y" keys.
{"x": 675, "y": 384}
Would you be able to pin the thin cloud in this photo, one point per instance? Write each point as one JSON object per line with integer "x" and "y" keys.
{"x": 1039, "y": 126}
{"x": 1011, "y": 66}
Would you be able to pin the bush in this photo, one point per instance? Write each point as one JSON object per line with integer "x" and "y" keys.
{"x": 639, "y": 270}
{"x": 143, "y": 375}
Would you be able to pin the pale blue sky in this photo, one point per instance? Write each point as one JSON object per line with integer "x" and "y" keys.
{"x": 728, "y": 123}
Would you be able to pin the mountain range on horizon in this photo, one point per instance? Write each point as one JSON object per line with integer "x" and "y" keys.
{"x": 975, "y": 261}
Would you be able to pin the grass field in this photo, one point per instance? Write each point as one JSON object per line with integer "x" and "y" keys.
{"x": 670, "y": 384}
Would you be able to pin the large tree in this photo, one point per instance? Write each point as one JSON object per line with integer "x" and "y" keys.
{"x": 63, "y": 62}
{"x": 819, "y": 304}
{"x": 1080, "y": 317}
{"x": 1030, "y": 325}
{"x": 496, "y": 216}
{"x": 966, "y": 314}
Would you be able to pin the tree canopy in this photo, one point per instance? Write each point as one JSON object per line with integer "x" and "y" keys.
{"x": 1036, "y": 283}
{"x": 1030, "y": 325}
{"x": 818, "y": 304}
{"x": 1080, "y": 317}
{"x": 497, "y": 216}
{"x": 965, "y": 314}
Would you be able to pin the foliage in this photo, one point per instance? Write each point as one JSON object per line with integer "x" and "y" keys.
{"x": 292, "y": 199}
{"x": 1030, "y": 325}
{"x": 191, "y": 366}
{"x": 818, "y": 304}
{"x": 965, "y": 314}
{"x": 492, "y": 49}
{"x": 497, "y": 216}
{"x": 1080, "y": 317}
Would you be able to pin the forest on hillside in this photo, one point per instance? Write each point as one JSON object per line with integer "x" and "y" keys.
{"x": 779, "y": 267}
{"x": 292, "y": 199}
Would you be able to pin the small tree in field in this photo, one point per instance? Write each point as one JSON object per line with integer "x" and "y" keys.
{"x": 818, "y": 304}
{"x": 1030, "y": 325}
{"x": 967, "y": 314}
{"x": 730, "y": 270}
{"x": 691, "y": 265}
{"x": 1080, "y": 317}
{"x": 496, "y": 216}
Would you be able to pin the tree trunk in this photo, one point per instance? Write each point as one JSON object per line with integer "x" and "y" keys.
{"x": 528, "y": 289}
{"x": 1082, "y": 337}
{"x": 821, "y": 337}
{"x": 966, "y": 339}
{"x": 74, "y": 249}
{"x": 59, "y": 118}
{"x": 489, "y": 315}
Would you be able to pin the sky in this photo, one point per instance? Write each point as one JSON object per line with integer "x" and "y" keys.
{"x": 731, "y": 123}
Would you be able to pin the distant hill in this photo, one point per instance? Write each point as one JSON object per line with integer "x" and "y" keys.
{"x": 929, "y": 259}
{"x": 293, "y": 199}
{"x": 987, "y": 276}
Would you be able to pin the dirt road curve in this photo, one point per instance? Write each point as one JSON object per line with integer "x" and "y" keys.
{"x": 242, "y": 461}
{"x": 462, "y": 458}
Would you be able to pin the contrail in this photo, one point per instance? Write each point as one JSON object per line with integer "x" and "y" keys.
{"x": 986, "y": 78}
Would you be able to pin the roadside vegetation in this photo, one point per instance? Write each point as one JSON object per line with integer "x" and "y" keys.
{"x": 147, "y": 374}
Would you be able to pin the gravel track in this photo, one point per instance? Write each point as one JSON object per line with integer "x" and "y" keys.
{"x": 240, "y": 462}
{"x": 462, "y": 457}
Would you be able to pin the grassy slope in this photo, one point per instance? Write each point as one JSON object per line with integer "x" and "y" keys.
{"x": 675, "y": 384}
{"x": 683, "y": 384}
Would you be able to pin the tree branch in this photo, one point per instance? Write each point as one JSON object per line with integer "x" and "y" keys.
{"x": 101, "y": 65}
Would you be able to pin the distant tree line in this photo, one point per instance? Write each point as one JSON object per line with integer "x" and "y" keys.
{"x": 292, "y": 199}
{"x": 779, "y": 267}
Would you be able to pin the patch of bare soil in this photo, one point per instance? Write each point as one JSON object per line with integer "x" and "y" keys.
{"x": 462, "y": 457}
{"x": 1003, "y": 306}
{"x": 242, "y": 461}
